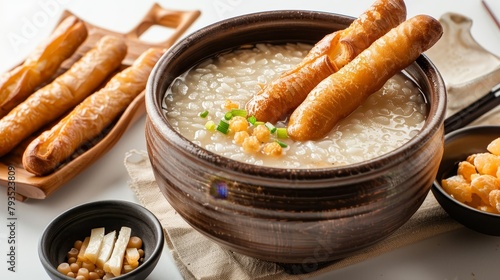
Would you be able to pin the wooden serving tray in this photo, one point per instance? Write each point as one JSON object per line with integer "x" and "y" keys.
{"x": 39, "y": 187}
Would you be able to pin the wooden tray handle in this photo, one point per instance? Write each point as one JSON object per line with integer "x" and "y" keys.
{"x": 178, "y": 20}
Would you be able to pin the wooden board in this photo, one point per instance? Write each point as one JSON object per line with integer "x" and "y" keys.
{"x": 39, "y": 187}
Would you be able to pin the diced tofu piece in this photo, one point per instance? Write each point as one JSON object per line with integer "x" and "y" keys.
{"x": 115, "y": 262}
{"x": 81, "y": 254}
{"x": 108, "y": 243}
{"x": 94, "y": 246}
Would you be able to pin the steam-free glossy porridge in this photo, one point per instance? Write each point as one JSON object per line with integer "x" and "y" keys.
{"x": 387, "y": 120}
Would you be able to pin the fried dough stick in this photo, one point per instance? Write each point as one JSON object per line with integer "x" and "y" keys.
{"x": 342, "y": 92}
{"x": 65, "y": 92}
{"x": 89, "y": 118}
{"x": 42, "y": 64}
{"x": 284, "y": 94}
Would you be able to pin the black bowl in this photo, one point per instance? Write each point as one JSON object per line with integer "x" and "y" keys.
{"x": 458, "y": 145}
{"x": 76, "y": 223}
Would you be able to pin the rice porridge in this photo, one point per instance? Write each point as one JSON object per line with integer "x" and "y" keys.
{"x": 387, "y": 120}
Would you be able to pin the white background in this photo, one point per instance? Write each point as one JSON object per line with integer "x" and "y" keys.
{"x": 461, "y": 254}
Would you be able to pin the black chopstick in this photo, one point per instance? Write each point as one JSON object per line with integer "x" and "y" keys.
{"x": 473, "y": 111}
{"x": 490, "y": 12}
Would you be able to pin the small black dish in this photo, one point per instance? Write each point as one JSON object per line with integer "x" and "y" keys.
{"x": 458, "y": 145}
{"x": 76, "y": 223}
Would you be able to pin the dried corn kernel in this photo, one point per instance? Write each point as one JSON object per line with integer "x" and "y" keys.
{"x": 64, "y": 268}
{"x": 72, "y": 253}
{"x": 78, "y": 244}
{"x": 74, "y": 267}
{"x": 83, "y": 272}
{"x": 93, "y": 276}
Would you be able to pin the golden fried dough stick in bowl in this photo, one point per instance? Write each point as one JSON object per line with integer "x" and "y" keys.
{"x": 284, "y": 94}
{"x": 89, "y": 118}
{"x": 65, "y": 92}
{"x": 342, "y": 92}
{"x": 42, "y": 64}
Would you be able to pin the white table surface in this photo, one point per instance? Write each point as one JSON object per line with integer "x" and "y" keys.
{"x": 460, "y": 254}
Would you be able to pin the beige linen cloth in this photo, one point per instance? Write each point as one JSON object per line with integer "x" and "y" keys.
{"x": 197, "y": 257}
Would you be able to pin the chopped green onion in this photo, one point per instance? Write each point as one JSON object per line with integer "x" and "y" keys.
{"x": 281, "y": 133}
{"x": 239, "y": 112}
{"x": 271, "y": 127}
{"x": 210, "y": 125}
{"x": 223, "y": 127}
{"x": 258, "y": 123}
{"x": 203, "y": 114}
{"x": 228, "y": 116}
{"x": 283, "y": 145}
{"x": 252, "y": 120}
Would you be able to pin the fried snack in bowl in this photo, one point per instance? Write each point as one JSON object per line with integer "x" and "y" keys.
{"x": 467, "y": 184}
{"x": 89, "y": 118}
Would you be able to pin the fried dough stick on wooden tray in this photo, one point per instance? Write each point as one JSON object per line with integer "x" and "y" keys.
{"x": 284, "y": 94}
{"x": 89, "y": 118}
{"x": 342, "y": 92}
{"x": 64, "y": 93}
{"x": 42, "y": 64}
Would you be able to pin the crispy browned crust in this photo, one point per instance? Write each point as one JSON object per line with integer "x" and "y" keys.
{"x": 65, "y": 92}
{"x": 284, "y": 94}
{"x": 42, "y": 64}
{"x": 377, "y": 20}
{"x": 342, "y": 92}
{"x": 90, "y": 117}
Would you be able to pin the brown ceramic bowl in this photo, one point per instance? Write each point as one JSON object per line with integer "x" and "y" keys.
{"x": 288, "y": 215}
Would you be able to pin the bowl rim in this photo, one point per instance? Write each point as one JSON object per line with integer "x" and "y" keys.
{"x": 436, "y": 186}
{"x": 149, "y": 263}
{"x": 432, "y": 124}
